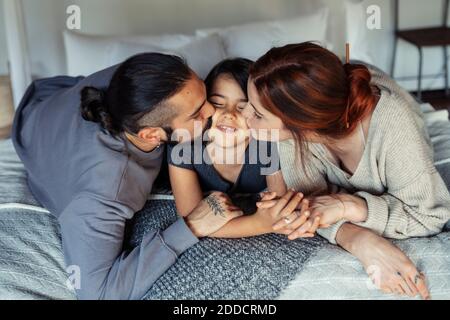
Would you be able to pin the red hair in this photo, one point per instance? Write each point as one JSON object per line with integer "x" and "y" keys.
{"x": 309, "y": 89}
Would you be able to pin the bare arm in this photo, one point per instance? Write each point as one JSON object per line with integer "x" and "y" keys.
{"x": 242, "y": 227}
{"x": 186, "y": 189}
{"x": 275, "y": 183}
{"x": 263, "y": 220}
{"x": 254, "y": 225}
{"x": 388, "y": 267}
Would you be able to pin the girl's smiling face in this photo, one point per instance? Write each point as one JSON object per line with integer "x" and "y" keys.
{"x": 229, "y": 127}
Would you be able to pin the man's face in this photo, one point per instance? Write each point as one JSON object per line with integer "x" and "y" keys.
{"x": 194, "y": 110}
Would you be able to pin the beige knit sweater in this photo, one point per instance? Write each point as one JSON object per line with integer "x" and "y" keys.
{"x": 405, "y": 194}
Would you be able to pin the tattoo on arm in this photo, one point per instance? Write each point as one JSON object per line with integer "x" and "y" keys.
{"x": 215, "y": 205}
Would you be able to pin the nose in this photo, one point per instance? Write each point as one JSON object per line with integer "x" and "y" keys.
{"x": 209, "y": 110}
{"x": 228, "y": 114}
{"x": 247, "y": 112}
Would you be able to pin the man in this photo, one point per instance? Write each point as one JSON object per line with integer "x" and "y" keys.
{"x": 93, "y": 167}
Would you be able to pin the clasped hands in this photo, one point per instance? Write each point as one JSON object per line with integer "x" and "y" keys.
{"x": 299, "y": 217}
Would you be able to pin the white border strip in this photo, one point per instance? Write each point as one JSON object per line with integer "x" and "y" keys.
{"x": 442, "y": 162}
{"x": 161, "y": 197}
{"x": 23, "y": 206}
{"x": 13, "y": 205}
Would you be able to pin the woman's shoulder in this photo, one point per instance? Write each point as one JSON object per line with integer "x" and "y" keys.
{"x": 384, "y": 81}
{"x": 396, "y": 128}
{"x": 395, "y": 113}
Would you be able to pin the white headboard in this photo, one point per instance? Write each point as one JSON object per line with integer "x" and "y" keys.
{"x": 46, "y": 20}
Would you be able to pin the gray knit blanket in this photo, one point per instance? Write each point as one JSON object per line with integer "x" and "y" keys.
{"x": 251, "y": 268}
{"x": 32, "y": 263}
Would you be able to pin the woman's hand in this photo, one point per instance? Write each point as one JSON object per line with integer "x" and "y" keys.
{"x": 330, "y": 209}
{"x": 271, "y": 209}
{"x": 387, "y": 266}
{"x": 337, "y": 207}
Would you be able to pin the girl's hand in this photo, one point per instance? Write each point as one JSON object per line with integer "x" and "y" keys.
{"x": 330, "y": 209}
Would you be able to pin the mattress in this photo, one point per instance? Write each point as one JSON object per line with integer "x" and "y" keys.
{"x": 32, "y": 263}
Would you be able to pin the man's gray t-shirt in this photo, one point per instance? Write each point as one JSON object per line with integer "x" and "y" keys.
{"x": 93, "y": 183}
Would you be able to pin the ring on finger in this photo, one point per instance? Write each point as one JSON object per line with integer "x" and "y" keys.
{"x": 288, "y": 219}
{"x": 417, "y": 277}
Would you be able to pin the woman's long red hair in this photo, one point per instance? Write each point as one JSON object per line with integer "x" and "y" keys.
{"x": 310, "y": 89}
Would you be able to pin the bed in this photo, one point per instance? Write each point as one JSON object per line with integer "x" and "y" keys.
{"x": 267, "y": 267}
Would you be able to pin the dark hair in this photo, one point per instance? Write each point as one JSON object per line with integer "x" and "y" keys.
{"x": 238, "y": 68}
{"x": 139, "y": 85}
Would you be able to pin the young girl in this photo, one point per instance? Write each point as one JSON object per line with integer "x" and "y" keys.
{"x": 230, "y": 162}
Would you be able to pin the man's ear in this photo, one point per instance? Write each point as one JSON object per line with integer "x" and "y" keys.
{"x": 152, "y": 135}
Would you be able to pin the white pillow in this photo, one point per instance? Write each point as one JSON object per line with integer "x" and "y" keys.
{"x": 202, "y": 54}
{"x": 86, "y": 54}
{"x": 253, "y": 40}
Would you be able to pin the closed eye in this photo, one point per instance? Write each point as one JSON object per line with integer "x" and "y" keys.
{"x": 217, "y": 105}
{"x": 240, "y": 107}
{"x": 257, "y": 114}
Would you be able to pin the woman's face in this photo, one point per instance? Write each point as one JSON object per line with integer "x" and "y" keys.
{"x": 229, "y": 127}
{"x": 264, "y": 124}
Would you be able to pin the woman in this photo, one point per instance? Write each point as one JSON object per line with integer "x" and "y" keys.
{"x": 226, "y": 163}
{"x": 362, "y": 145}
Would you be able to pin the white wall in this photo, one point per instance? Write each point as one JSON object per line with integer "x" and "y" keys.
{"x": 3, "y": 49}
{"x": 46, "y": 21}
{"x": 413, "y": 14}
{"x": 175, "y": 16}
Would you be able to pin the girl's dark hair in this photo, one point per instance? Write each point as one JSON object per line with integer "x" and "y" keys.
{"x": 238, "y": 68}
{"x": 138, "y": 86}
